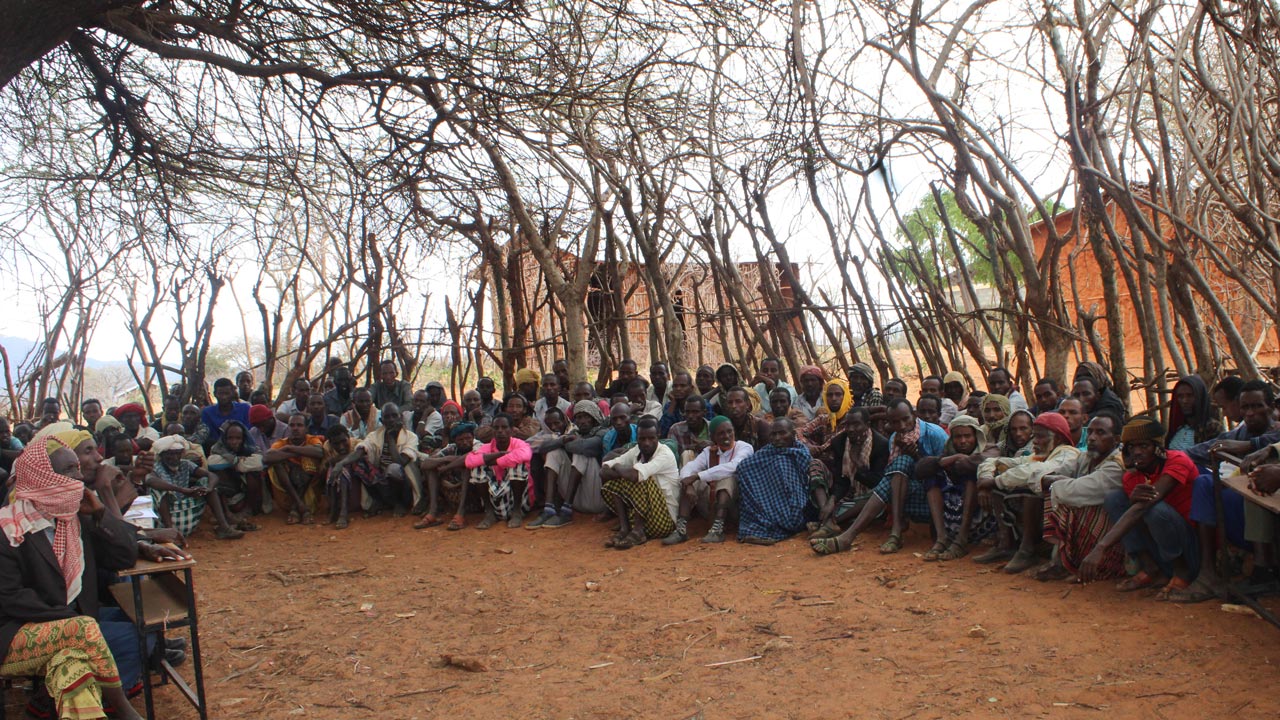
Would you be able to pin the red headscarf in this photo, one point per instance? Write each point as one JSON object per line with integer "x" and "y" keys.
{"x": 42, "y": 498}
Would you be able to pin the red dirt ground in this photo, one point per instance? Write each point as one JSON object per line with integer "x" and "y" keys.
{"x": 568, "y": 629}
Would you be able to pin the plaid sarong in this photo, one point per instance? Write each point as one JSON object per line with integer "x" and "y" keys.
{"x": 185, "y": 510}
{"x": 643, "y": 499}
{"x": 916, "y": 503}
{"x": 773, "y": 490}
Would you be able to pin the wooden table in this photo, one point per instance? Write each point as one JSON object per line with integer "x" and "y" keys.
{"x": 157, "y": 599}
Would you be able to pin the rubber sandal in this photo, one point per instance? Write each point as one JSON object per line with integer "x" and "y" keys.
{"x": 1138, "y": 582}
{"x": 293, "y": 518}
{"x": 1176, "y": 584}
{"x": 954, "y": 551}
{"x": 1196, "y": 592}
{"x": 342, "y": 523}
{"x": 827, "y": 546}
{"x": 934, "y": 553}
{"x": 457, "y": 523}
{"x": 825, "y": 531}
{"x": 427, "y": 521}
{"x": 488, "y": 522}
{"x": 308, "y": 518}
{"x": 892, "y": 545}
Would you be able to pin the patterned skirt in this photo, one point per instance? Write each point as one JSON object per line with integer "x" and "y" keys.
{"x": 500, "y": 493}
{"x": 916, "y": 502}
{"x": 644, "y": 502}
{"x": 74, "y": 659}
{"x": 1076, "y": 531}
{"x": 184, "y": 510}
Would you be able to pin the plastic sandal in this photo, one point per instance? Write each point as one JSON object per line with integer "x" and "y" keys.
{"x": 892, "y": 545}
{"x": 935, "y": 553}
{"x": 456, "y": 523}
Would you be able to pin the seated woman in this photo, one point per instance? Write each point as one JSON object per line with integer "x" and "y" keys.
{"x": 1192, "y": 419}
{"x": 951, "y": 481}
{"x": 237, "y": 464}
{"x": 181, "y": 490}
{"x": 500, "y": 468}
{"x": 48, "y": 585}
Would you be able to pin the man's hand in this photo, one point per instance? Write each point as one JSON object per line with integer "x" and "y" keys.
{"x": 90, "y": 504}
{"x": 160, "y": 553}
{"x": 1254, "y": 459}
{"x": 1143, "y": 494}
{"x": 1231, "y": 447}
{"x": 195, "y": 491}
{"x": 1265, "y": 480}
{"x": 1089, "y": 566}
{"x": 167, "y": 535}
{"x": 1047, "y": 481}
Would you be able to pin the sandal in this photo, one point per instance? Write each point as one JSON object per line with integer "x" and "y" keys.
{"x": 825, "y": 531}
{"x": 308, "y": 519}
{"x": 1050, "y": 572}
{"x": 457, "y": 522}
{"x": 293, "y": 518}
{"x": 934, "y": 553}
{"x": 427, "y": 521}
{"x": 342, "y": 523}
{"x": 892, "y": 545}
{"x": 1196, "y": 592}
{"x": 954, "y": 551}
{"x": 1138, "y": 582}
{"x": 614, "y": 539}
{"x": 489, "y": 520}
{"x": 634, "y": 538}
{"x": 827, "y": 546}
{"x": 1175, "y": 585}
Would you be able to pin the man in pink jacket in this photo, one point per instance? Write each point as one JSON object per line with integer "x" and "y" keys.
{"x": 501, "y": 468}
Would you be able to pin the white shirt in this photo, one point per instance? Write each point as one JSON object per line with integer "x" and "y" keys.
{"x": 661, "y": 468}
{"x": 728, "y": 464}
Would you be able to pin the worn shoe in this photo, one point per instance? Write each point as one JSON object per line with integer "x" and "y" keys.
{"x": 675, "y": 538}
{"x": 541, "y": 520}
{"x": 713, "y": 536}
{"x": 175, "y": 657}
{"x": 562, "y": 518}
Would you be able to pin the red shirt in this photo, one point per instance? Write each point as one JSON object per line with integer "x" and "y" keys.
{"x": 1177, "y": 466}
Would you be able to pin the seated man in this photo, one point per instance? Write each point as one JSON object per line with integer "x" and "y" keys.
{"x": 297, "y": 403}
{"x": 863, "y": 454}
{"x": 264, "y": 428}
{"x": 638, "y": 398}
{"x": 769, "y": 379}
{"x": 621, "y": 433}
{"x": 383, "y": 463}
{"x": 1000, "y": 382}
{"x": 171, "y": 413}
{"x": 809, "y": 399}
{"x": 775, "y": 487}
{"x": 929, "y": 409}
{"x": 954, "y": 389}
{"x": 294, "y": 465}
{"x": 181, "y": 490}
{"x": 1150, "y": 514}
{"x": 571, "y": 469}
{"x": 779, "y": 408}
{"x": 1048, "y": 394}
{"x": 551, "y": 398}
{"x": 319, "y": 419}
{"x": 692, "y": 434}
{"x": 895, "y": 388}
{"x": 91, "y": 412}
{"x": 10, "y": 448}
{"x": 1256, "y": 430}
{"x": 225, "y": 408}
{"x": 1016, "y": 482}
{"x": 388, "y": 388}
{"x": 446, "y": 470}
{"x": 951, "y": 480}
{"x": 737, "y": 407}
{"x": 899, "y": 490}
{"x": 337, "y": 445}
{"x": 643, "y": 487}
{"x": 132, "y": 417}
{"x": 710, "y": 480}
{"x": 673, "y": 408}
{"x": 193, "y": 428}
{"x": 426, "y": 420}
{"x": 1074, "y": 516}
{"x": 823, "y": 434}
{"x": 1077, "y": 421}
{"x": 500, "y": 468}
{"x": 362, "y": 417}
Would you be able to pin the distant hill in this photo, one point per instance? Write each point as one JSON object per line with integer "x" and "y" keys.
{"x": 18, "y": 348}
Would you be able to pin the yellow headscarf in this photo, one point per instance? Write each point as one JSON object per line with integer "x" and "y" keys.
{"x": 527, "y": 375}
{"x": 845, "y": 404}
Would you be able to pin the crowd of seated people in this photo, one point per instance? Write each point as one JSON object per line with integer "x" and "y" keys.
{"x": 1060, "y": 483}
